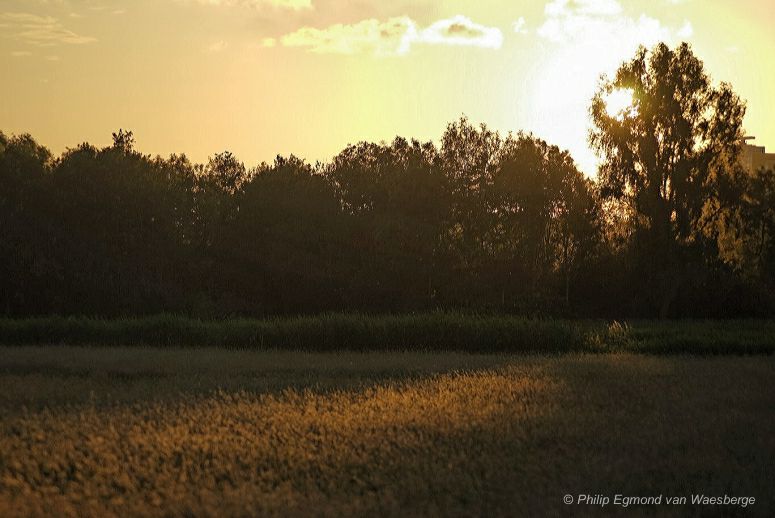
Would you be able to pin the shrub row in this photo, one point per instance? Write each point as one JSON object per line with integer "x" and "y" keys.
{"x": 430, "y": 332}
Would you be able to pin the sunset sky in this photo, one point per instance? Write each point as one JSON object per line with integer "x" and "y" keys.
{"x": 262, "y": 77}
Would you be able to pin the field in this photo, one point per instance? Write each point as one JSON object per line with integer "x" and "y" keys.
{"x": 152, "y": 431}
{"x": 441, "y": 332}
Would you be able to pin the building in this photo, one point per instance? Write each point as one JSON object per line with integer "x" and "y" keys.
{"x": 755, "y": 158}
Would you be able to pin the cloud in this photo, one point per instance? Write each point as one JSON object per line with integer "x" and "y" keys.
{"x": 584, "y": 39}
{"x": 41, "y": 31}
{"x": 602, "y": 23}
{"x": 520, "y": 25}
{"x": 461, "y": 30}
{"x": 686, "y": 31}
{"x": 394, "y": 36}
{"x": 389, "y": 37}
{"x": 295, "y": 5}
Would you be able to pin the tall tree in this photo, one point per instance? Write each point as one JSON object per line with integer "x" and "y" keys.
{"x": 24, "y": 267}
{"x": 396, "y": 204}
{"x": 672, "y": 157}
{"x": 280, "y": 251}
{"x": 468, "y": 157}
{"x": 747, "y": 235}
{"x": 118, "y": 224}
{"x": 545, "y": 215}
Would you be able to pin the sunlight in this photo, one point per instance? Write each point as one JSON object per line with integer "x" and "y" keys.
{"x": 620, "y": 103}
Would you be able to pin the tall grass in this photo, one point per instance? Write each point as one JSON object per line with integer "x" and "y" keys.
{"x": 502, "y": 435}
{"x": 420, "y": 332}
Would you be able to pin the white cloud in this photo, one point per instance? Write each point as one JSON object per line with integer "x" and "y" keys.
{"x": 600, "y": 28}
{"x": 42, "y": 31}
{"x": 383, "y": 38}
{"x": 394, "y": 36}
{"x": 520, "y": 26}
{"x": 460, "y": 30}
{"x": 589, "y": 21}
{"x": 585, "y": 39}
{"x": 686, "y": 31}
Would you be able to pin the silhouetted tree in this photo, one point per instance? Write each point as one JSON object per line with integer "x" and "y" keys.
{"x": 672, "y": 157}
{"x": 546, "y": 216}
{"x": 25, "y": 272}
{"x": 759, "y": 226}
{"x": 468, "y": 158}
{"x": 124, "y": 141}
{"x": 119, "y": 226}
{"x": 282, "y": 245}
{"x": 225, "y": 172}
{"x": 483, "y": 222}
{"x": 746, "y": 237}
{"x": 396, "y": 203}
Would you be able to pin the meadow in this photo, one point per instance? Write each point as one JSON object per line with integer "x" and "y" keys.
{"x": 440, "y": 331}
{"x": 181, "y": 431}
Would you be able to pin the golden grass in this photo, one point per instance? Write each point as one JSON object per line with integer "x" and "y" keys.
{"x": 219, "y": 433}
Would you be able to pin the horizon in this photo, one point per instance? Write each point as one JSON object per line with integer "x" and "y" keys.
{"x": 308, "y": 77}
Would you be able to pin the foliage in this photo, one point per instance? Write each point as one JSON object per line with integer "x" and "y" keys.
{"x": 481, "y": 222}
{"x": 673, "y": 158}
{"x": 407, "y": 332}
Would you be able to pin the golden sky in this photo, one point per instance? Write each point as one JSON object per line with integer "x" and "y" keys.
{"x": 262, "y": 77}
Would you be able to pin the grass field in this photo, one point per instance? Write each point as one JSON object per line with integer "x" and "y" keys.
{"x": 441, "y": 332}
{"x": 137, "y": 431}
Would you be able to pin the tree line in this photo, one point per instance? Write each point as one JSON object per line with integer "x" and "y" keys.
{"x": 671, "y": 226}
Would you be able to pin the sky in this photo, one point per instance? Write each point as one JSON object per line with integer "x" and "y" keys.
{"x": 267, "y": 77}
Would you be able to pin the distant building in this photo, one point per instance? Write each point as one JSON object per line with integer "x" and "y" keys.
{"x": 756, "y": 157}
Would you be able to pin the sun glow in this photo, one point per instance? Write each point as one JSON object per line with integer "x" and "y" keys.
{"x": 620, "y": 103}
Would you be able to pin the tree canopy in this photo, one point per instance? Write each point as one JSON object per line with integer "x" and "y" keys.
{"x": 483, "y": 221}
{"x": 671, "y": 159}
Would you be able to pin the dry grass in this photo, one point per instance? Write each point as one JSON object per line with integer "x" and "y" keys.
{"x": 142, "y": 432}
